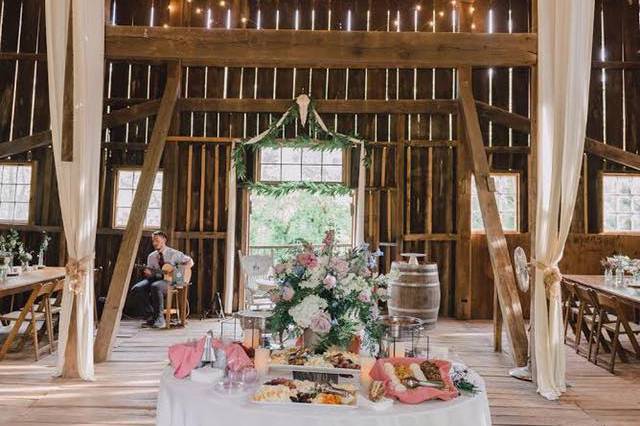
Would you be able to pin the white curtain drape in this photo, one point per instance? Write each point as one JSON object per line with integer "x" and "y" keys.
{"x": 565, "y": 37}
{"x": 78, "y": 179}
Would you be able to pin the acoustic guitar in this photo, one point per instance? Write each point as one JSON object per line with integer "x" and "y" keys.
{"x": 167, "y": 271}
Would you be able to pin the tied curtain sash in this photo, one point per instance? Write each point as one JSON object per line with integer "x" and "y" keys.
{"x": 77, "y": 179}
{"x": 565, "y": 37}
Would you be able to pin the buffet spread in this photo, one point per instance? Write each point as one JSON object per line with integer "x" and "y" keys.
{"x": 325, "y": 344}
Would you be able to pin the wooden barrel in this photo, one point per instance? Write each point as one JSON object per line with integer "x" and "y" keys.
{"x": 414, "y": 290}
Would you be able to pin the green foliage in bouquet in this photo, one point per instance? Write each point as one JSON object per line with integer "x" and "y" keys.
{"x": 335, "y": 296}
{"x": 315, "y": 138}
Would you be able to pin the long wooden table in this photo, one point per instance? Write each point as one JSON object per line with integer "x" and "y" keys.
{"x": 26, "y": 282}
{"x": 628, "y": 294}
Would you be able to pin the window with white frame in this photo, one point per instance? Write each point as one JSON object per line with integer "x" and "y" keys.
{"x": 621, "y": 202}
{"x": 300, "y": 164}
{"x": 15, "y": 192}
{"x": 507, "y": 195}
{"x": 126, "y": 184}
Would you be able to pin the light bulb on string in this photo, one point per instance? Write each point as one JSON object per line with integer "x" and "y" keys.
{"x": 473, "y": 25}
{"x": 418, "y": 7}
{"x": 441, "y": 13}
{"x": 198, "y": 10}
{"x": 472, "y": 9}
{"x": 223, "y": 3}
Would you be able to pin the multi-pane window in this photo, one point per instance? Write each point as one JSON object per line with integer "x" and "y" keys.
{"x": 507, "y": 195}
{"x": 126, "y": 184}
{"x": 15, "y": 192}
{"x": 300, "y": 164}
{"x": 621, "y": 203}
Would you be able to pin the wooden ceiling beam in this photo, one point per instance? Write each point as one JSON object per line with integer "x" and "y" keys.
{"x": 612, "y": 153}
{"x": 319, "y": 49}
{"x": 336, "y": 106}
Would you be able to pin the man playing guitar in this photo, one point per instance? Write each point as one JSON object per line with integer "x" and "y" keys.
{"x": 150, "y": 292}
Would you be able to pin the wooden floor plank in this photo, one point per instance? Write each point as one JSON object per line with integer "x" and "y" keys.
{"x": 125, "y": 390}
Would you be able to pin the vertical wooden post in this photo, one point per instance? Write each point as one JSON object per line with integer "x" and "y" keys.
{"x": 110, "y": 321}
{"x": 398, "y": 201}
{"x": 67, "y": 102}
{"x": 463, "y": 274}
{"x": 503, "y": 274}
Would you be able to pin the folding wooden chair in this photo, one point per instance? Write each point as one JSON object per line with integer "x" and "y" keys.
{"x": 614, "y": 315}
{"x": 39, "y": 313}
{"x": 571, "y": 307}
{"x": 588, "y": 319}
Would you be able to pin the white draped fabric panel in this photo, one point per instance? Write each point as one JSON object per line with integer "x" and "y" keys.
{"x": 78, "y": 180}
{"x": 565, "y": 34}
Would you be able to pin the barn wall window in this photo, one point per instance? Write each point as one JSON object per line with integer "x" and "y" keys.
{"x": 621, "y": 202}
{"x": 126, "y": 184}
{"x": 295, "y": 164}
{"x": 15, "y": 192}
{"x": 507, "y": 195}
{"x": 275, "y": 223}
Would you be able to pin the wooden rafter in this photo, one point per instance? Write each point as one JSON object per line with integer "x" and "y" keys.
{"x": 110, "y": 320}
{"x": 319, "y": 49}
{"x": 334, "y": 106}
{"x": 133, "y": 113}
{"x": 503, "y": 273}
{"x": 27, "y": 143}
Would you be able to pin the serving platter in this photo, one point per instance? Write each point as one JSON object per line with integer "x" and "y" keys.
{"x": 297, "y": 404}
{"x": 288, "y": 368}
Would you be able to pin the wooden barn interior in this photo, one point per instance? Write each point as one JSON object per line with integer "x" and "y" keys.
{"x": 441, "y": 90}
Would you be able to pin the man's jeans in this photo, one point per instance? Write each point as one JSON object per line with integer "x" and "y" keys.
{"x": 150, "y": 290}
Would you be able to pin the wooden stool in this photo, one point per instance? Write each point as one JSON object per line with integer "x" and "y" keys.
{"x": 181, "y": 310}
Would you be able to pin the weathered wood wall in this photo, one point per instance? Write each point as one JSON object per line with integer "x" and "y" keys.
{"x": 414, "y": 164}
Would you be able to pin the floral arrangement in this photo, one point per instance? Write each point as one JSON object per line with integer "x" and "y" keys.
{"x": 615, "y": 262}
{"x": 10, "y": 241}
{"x": 335, "y": 296}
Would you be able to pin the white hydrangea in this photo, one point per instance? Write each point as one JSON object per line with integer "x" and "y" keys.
{"x": 314, "y": 277}
{"x": 303, "y": 311}
{"x": 353, "y": 283}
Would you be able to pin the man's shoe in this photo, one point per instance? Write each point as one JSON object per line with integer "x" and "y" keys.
{"x": 160, "y": 323}
{"x": 150, "y": 322}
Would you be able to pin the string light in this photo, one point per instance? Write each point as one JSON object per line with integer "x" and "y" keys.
{"x": 396, "y": 23}
{"x": 223, "y": 3}
{"x": 473, "y": 25}
{"x": 441, "y": 13}
{"x": 198, "y": 10}
{"x": 169, "y": 8}
{"x": 431, "y": 23}
{"x": 166, "y": 25}
{"x": 472, "y": 9}
{"x": 243, "y": 20}
{"x": 453, "y": 2}
{"x": 418, "y": 7}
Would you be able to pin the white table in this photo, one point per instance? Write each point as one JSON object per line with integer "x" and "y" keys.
{"x": 185, "y": 403}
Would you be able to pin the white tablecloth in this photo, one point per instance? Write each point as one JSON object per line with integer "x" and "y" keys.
{"x": 185, "y": 403}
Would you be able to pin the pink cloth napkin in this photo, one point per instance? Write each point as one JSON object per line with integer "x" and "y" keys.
{"x": 418, "y": 395}
{"x": 184, "y": 357}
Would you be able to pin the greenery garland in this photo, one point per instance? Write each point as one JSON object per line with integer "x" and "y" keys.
{"x": 283, "y": 188}
{"x": 317, "y": 139}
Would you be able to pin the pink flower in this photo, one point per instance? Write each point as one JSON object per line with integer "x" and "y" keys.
{"x": 339, "y": 265}
{"x": 364, "y": 297}
{"x": 287, "y": 293}
{"x": 280, "y": 268}
{"x": 308, "y": 259}
{"x": 321, "y": 322}
{"x": 329, "y": 238}
{"x": 329, "y": 282}
{"x": 275, "y": 297}
{"x": 382, "y": 292}
{"x": 365, "y": 272}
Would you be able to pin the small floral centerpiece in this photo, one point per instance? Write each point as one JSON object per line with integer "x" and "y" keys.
{"x": 333, "y": 296}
